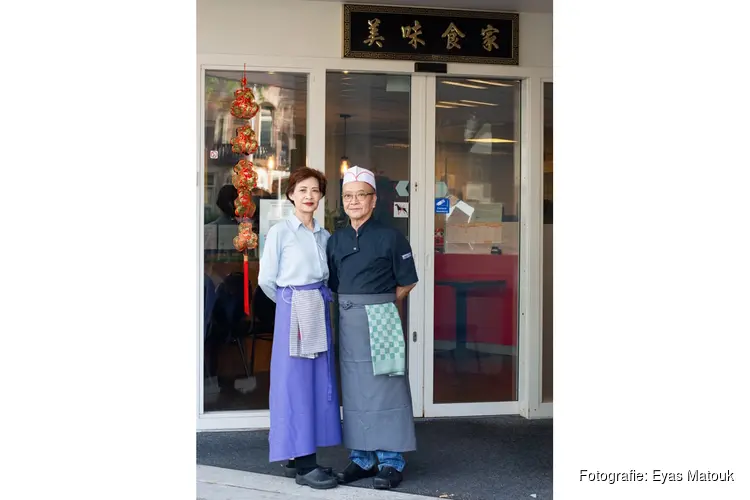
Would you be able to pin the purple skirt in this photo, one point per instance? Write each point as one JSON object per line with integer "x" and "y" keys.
{"x": 304, "y": 402}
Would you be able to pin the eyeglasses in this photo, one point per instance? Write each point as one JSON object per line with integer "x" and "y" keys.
{"x": 361, "y": 196}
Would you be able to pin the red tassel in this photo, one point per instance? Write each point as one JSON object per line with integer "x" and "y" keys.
{"x": 246, "y": 272}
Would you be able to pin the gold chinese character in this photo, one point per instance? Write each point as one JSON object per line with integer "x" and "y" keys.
{"x": 374, "y": 34}
{"x": 488, "y": 38}
{"x": 413, "y": 34}
{"x": 452, "y": 33}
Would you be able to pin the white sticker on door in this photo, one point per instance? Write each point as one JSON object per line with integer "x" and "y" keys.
{"x": 400, "y": 209}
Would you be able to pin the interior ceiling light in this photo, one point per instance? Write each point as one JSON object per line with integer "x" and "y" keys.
{"x": 479, "y": 102}
{"x": 459, "y": 84}
{"x": 490, "y": 140}
{"x": 451, "y": 103}
{"x": 444, "y": 106}
{"x": 496, "y": 84}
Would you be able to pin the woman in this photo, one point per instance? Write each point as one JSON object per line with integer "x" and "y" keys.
{"x": 303, "y": 399}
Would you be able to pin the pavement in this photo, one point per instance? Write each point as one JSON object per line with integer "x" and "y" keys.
{"x": 214, "y": 483}
{"x": 482, "y": 458}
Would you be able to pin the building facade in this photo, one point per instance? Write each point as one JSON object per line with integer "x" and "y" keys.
{"x": 463, "y": 160}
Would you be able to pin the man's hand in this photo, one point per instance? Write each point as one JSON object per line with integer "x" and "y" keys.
{"x": 403, "y": 291}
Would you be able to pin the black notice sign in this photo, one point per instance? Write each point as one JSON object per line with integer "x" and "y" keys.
{"x": 377, "y": 32}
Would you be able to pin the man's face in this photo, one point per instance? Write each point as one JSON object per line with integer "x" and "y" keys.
{"x": 359, "y": 200}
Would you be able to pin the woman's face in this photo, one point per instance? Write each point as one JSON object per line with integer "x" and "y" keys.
{"x": 306, "y": 195}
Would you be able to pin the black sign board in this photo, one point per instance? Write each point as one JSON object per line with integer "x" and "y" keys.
{"x": 377, "y": 32}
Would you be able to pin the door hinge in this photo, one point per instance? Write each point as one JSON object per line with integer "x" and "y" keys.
{"x": 414, "y": 336}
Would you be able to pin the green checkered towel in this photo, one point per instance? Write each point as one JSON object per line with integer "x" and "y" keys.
{"x": 387, "y": 345}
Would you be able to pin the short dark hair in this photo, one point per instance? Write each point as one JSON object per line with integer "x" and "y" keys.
{"x": 302, "y": 174}
{"x": 225, "y": 199}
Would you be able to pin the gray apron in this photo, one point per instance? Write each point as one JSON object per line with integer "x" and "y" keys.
{"x": 377, "y": 410}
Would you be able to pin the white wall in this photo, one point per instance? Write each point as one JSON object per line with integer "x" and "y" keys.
{"x": 296, "y": 28}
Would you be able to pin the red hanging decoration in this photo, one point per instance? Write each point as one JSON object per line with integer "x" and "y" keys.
{"x": 243, "y": 205}
{"x": 244, "y": 176}
{"x": 244, "y": 179}
{"x": 246, "y": 273}
{"x": 244, "y": 105}
{"x": 246, "y": 239}
{"x": 244, "y": 142}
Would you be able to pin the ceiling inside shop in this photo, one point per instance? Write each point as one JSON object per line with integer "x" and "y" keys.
{"x": 537, "y": 6}
{"x": 379, "y": 105}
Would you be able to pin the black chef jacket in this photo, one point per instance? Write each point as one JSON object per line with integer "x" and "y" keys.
{"x": 375, "y": 259}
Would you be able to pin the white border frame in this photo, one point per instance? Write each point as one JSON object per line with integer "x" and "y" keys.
{"x": 541, "y": 409}
{"x": 455, "y": 409}
{"x": 417, "y": 195}
{"x": 532, "y": 230}
{"x": 529, "y": 366}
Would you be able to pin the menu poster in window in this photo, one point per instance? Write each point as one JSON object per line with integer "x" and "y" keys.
{"x": 271, "y": 212}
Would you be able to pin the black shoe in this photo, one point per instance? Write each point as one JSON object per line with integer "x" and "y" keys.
{"x": 354, "y": 472}
{"x": 291, "y": 472}
{"x": 387, "y": 478}
{"x": 317, "y": 479}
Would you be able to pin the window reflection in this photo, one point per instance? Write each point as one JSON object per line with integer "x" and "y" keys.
{"x": 368, "y": 124}
{"x": 477, "y": 189}
{"x": 237, "y": 348}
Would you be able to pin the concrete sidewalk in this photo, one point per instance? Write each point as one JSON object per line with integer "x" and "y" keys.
{"x": 214, "y": 483}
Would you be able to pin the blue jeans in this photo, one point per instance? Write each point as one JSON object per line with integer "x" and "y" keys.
{"x": 368, "y": 459}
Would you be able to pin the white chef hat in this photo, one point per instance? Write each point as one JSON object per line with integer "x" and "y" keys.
{"x": 359, "y": 174}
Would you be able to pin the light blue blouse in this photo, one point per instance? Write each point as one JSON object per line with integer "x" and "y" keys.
{"x": 293, "y": 256}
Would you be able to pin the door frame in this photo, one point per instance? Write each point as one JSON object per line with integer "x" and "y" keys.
{"x": 424, "y": 170}
{"x": 421, "y": 195}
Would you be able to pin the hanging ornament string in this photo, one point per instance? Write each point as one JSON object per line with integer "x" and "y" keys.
{"x": 244, "y": 178}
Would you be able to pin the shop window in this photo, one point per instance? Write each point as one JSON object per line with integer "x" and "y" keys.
{"x": 237, "y": 351}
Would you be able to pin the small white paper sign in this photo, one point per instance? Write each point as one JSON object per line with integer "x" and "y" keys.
{"x": 270, "y": 213}
{"x": 400, "y": 209}
{"x": 463, "y": 207}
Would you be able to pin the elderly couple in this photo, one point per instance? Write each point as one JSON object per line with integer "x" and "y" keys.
{"x": 370, "y": 266}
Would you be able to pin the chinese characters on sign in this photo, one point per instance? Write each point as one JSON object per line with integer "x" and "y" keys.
{"x": 488, "y": 38}
{"x": 430, "y": 34}
{"x": 374, "y": 35}
{"x": 452, "y": 34}
{"x": 413, "y": 32}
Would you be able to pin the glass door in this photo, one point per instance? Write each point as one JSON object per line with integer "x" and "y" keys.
{"x": 369, "y": 123}
{"x": 472, "y": 233}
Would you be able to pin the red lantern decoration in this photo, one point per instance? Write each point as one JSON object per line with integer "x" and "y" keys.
{"x": 244, "y": 143}
{"x": 244, "y": 105}
{"x": 243, "y": 205}
{"x": 244, "y": 178}
{"x": 246, "y": 239}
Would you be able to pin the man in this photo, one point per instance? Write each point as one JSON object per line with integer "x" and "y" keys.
{"x": 371, "y": 266}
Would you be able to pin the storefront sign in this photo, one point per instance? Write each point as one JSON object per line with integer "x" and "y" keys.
{"x": 377, "y": 32}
